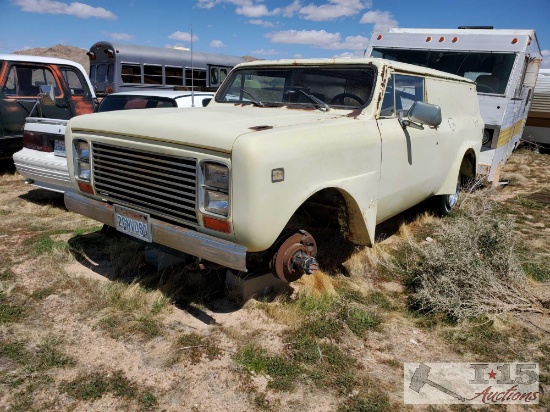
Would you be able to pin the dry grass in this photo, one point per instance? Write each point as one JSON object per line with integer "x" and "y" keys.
{"x": 130, "y": 337}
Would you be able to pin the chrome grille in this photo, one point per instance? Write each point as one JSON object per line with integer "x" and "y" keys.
{"x": 162, "y": 185}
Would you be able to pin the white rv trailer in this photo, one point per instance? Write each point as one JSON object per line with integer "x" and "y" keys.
{"x": 537, "y": 128}
{"x": 503, "y": 63}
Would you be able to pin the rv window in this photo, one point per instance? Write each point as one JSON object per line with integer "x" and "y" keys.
{"x": 131, "y": 73}
{"x": 92, "y": 72}
{"x": 223, "y": 74}
{"x": 495, "y": 68}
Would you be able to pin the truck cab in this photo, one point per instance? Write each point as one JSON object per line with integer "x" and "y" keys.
{"x": 20, "y": 80}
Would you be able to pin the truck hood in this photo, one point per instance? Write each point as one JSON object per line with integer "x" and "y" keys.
{"x": 215, "y": 127}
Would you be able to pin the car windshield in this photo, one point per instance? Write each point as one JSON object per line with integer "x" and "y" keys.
{"x": 116, "y": 102}
{"x": 347, "y": 87}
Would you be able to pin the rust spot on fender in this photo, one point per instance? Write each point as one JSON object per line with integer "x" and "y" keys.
{"x": 354, "y": 113}
{"x": 258, "y": 128}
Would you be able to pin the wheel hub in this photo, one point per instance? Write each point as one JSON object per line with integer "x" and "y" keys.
{"x": 295, "y": 257}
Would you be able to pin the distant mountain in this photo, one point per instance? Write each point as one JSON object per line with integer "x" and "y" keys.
{"x": 61, "y": 52}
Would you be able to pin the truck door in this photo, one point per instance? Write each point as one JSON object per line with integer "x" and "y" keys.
{"x": 410, "y": 157}
{"x": 20, "y": 85}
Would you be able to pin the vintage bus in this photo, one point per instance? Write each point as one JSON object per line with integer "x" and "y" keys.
{"x": 503, "y": 63}
{"x": 116, "y": 67}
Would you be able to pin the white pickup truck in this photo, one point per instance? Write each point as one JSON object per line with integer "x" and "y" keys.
{"x": 284, "y": 149}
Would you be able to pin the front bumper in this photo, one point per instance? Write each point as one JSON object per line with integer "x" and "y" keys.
{"x": 198, "y": 244}
{"x": 45, "y": 169}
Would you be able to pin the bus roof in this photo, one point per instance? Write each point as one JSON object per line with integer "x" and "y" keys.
{"x": 132, "y": 53}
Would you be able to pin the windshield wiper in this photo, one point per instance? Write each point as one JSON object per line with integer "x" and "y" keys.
{"x": 255, "y": 100}
{"x": 318, "y": 103}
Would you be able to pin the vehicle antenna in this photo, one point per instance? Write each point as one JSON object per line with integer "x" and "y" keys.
{"x": 192, "y": 72}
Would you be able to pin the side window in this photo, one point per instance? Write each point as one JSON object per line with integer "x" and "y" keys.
{"x": 197, "y": 77}
{"x": 401, "y": 92}
{"x": 223, "y": 74}
{"x": 131, "y": 73}
{"x": 213, "y": 76}
{"x": 74, "y": 82}
{"x": 26, "y": 81}
{"x": 174, "y": 76}
{"x": 92, "y": 72}
{"x": 152, "y": 74}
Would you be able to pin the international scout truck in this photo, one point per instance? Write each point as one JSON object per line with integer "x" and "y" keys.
{"x": 283, "y": 148}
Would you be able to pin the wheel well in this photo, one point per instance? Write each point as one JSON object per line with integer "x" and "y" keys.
{"x": 331, "y": 211}
{"x": 468, "y": 165}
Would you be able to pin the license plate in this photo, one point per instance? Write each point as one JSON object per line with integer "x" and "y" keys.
{"x": 133, "y": 223}
{"x": 59, "y": 148}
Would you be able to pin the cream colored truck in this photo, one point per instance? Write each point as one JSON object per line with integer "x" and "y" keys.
{"x": 284, "y": 148}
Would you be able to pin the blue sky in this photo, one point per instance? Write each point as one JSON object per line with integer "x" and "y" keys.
{"x": 270, "y": 29}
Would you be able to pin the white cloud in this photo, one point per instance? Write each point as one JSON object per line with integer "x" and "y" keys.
{"x": 263, "y": 23}
{"x": 297, "y": 56}
{"x": 181, "y": 36}
{"x": 319, "y": 38}
{"x": 291, "y": 9}
{"x": 545, "y": 59}
{"x": 333, "y": 9}
{"x": 121, "y": 36}
{"x": 216, "y": 43}
{"x": 248, "y": 8}
{"x": 383, "y": 20}
{"x": 264, "y": 52}
{"x": 256, "y": 10}
{"x": 55, "y": 7}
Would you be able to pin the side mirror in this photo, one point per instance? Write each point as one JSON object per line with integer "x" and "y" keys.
{"x": 422, "y": 113}
{"x": 47, "y": 95}
{"x": 205, "y": 101}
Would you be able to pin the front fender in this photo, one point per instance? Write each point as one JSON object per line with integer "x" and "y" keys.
{"x": 344, "y": 154}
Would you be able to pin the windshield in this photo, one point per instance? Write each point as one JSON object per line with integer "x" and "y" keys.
{"x": 491, "y": 71}
{"x": 121, "y": 102}
{"x": 320, "y": 87}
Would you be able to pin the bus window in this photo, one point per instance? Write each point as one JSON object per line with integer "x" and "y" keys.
{"x": 110, "y": 72}
{"x": 223, "y": 74}
{"x": 174, "y": 76}
{"x": 92, "y": 72}
{"x": 152, "y": 74}
{"x": 213, "y": 76}
{"x": 74, "y": 82}
{"x": 195, "y": 77}
{"x": 131, "y": 73}
{"x": 101, "y": 72}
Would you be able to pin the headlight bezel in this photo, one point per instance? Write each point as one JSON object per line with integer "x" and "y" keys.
{"x": 215, "y": 188}
{"x": 81, "y": 150}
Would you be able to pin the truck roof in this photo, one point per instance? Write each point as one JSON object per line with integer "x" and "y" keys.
{"x": 405, "y": 67}
{"x": 39, "y": 59}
